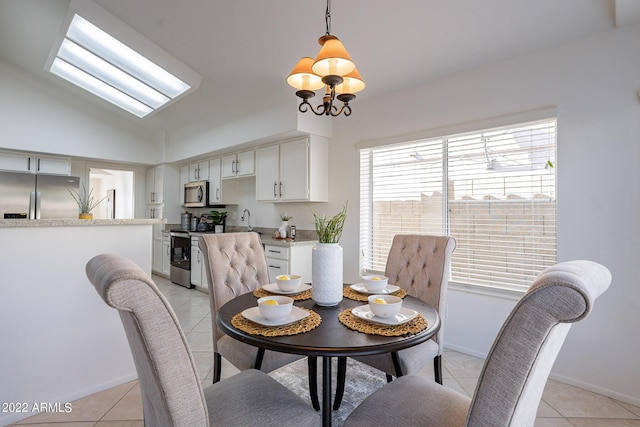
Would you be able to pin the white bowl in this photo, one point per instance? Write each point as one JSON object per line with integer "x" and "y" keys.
{"x": 375, "y": 283}
{"x": 289, "y": 282}
{"x": 389, "y": 308}
{"x": 274, "y": 312}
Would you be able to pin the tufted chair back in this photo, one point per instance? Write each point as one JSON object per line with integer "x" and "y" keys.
{"x": 420, "y": 265}
{"x": 171, "y": 390}
{"x": 235, "y": 264}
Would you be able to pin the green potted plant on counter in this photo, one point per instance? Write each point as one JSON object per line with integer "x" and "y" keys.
{"x": 218, "y": 219}
{"x": 86, "y": 201}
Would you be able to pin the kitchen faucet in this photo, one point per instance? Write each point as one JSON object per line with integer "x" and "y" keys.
{"x": 248, "y": 214}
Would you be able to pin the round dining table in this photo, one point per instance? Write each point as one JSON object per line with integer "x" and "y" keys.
{"x": 331, "y": 338}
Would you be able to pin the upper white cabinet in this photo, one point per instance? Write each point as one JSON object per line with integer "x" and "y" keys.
{"x": 184, "y": 178}
{"x": 293, "y": 171}
{"x": 199, "y": 171}
{"x": 215, "y": 180}
{"x": 238, "y": 164}
{"x": 155, "y": 184}
{"x": 25, "y": 162}
{"x": 267, "y": 173}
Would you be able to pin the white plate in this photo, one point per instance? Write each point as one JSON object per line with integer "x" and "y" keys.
{"x": 254, "y": 315}
{"x": 403, "y": 316}
{"x": 274, "y": 289}
{"x": 359, "y": 287}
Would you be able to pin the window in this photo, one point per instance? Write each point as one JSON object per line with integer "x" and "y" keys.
{"x": 493, "y": 190}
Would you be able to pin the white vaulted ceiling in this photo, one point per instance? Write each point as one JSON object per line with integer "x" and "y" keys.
{"x": 244, "y": 49}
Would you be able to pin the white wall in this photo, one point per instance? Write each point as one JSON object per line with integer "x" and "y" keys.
{"x": 60, "y": 341}
{"x": 41, "y": 117}
{"x": 593, "y": 83}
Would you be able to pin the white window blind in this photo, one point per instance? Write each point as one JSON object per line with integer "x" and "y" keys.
{"x": 494, "y": 190}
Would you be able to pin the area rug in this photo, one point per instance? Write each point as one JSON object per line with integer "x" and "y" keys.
{"x": 362, "y": 380}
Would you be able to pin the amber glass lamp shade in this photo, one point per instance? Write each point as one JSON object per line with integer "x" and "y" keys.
{"x": 333, "y": 59}
{"x": 351, "y": 83}
{"x": 302, "y": 78}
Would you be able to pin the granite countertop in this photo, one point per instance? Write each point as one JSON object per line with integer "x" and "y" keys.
{"x": 9, "y": 223}
{"x": 305, "y": 237}
{"x": 268, "y": 240}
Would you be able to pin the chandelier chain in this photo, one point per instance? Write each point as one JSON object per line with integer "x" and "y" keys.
{"x": 327, "y": 17}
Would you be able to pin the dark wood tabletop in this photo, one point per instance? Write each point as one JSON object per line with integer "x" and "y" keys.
{"x": 331, "y": 338}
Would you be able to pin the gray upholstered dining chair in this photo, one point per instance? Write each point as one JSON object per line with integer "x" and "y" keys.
{"x": 172, "y": 394}
{"x": 236, "y": 264}
{"x": 517, "y": 366}
{"x": 420, "y": 265}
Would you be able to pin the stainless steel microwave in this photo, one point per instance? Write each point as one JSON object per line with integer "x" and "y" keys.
{"x": 196, "y": 194}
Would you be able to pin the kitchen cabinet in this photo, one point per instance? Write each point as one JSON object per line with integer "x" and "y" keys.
{"x": 294, "y": 259}
{"x": 184, "y": 178}
{"x": 161, "y": 254}
{"x": 215, "y": 180}
{"x": 238, "y": 164}
{"x": 166, "y": 253}
{"x": 292, "y": 171}
{"x": 25, "y": 162}
{"x": 199, "y": 171}
{"x": 198, "y": 271}
{"x": 155, "y": 185}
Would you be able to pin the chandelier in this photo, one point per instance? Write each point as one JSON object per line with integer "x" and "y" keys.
{"x": 332, "y": 70}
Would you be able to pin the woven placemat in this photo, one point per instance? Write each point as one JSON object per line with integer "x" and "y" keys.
{"x": 357, "y": 296}
{"x": 259, "y": 293}
{"x": 310, "y": 322}
{"x": 413, "y": 326}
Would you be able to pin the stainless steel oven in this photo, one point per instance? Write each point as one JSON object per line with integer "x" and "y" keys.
{"x": 180, "y": 270}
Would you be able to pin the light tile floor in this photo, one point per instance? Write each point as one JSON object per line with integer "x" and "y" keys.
{"x": 562, "y": 405}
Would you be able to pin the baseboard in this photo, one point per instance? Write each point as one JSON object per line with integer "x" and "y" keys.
{"x": 10, "y": 418}
{"x": 561, "y": 378}
{"x": 596, "y": 389}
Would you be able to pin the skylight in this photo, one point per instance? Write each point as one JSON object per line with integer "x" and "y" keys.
{"x": 97, "y": 62}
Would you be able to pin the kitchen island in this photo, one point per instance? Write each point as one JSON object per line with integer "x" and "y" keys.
{"x": 60, "y": 341}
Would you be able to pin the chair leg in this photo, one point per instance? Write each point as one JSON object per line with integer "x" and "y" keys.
{"x": 217, "y": 367}
{"x": 341, "y": 377}
{"x": 437, "y": 369}
{"x": 259, "y": 358}
{"x": 312, "y": 363}
{"x": 389, "y": 378}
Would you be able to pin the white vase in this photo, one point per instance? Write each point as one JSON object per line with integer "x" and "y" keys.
{"x": 283, "y": 229}
{"x": 326, "y": 274}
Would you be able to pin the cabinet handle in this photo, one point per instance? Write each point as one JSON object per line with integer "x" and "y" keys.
{"x": 280, "y": 188}
{"x": 274, "y": 189}
{"x": 168, "y": 250}
{"x": 29, "y": 164}
{"x": 233, "y": 166}
{"x": 273, "y": 251}
{"x": 217, "y": 194}
{"x": 237, "y": 166}
{"x": 274, "y": 266}
{"x": 38, "y": 165}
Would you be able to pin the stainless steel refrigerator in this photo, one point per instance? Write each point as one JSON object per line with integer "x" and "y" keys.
{"x": 35, "y": 196}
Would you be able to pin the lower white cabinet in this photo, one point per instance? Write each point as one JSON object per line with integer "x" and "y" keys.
{"x": 166, "y": 254}
{"x": 162, "y": 254}
{"x": 295, "y": 259}
{"x": 198, "y": 269}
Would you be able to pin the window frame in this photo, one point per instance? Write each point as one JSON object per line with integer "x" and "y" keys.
{"x": 514, "y": 121}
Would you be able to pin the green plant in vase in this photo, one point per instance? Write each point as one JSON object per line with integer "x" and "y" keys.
{"x": 218, "y": 219}
{"x": 86, "y": 201}
{"x": 330, "y": 229}
{"x": 327, "y": 259}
